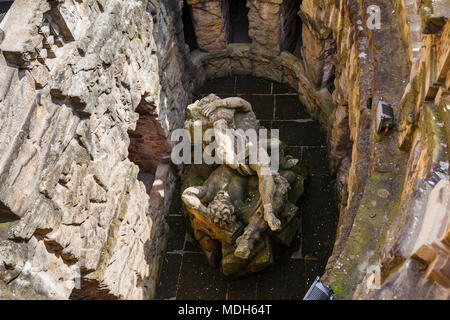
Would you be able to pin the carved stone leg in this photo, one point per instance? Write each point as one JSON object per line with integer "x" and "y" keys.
{"x": 267, "y": 191}
{"x": 209, "y": 24}
{"x": 252, "y": 233}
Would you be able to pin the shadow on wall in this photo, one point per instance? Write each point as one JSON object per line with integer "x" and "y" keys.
{"x": 6, "y": 215}
{"x": 188, "y": 27}
{"x": 4, "y": 7}
{"x": 148, "y": 146}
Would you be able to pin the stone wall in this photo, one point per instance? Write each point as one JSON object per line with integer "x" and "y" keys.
{"x": 210, "y": 23}
{"x": 384, "y": 179}
{"x": 387, "y": 189}
{"x": 87, "y": 86}
{"x": 75, "y": 75}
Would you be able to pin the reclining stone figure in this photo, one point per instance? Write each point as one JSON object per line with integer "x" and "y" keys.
{"x": 236, "y": 113}
{"x": 220, "y": 201}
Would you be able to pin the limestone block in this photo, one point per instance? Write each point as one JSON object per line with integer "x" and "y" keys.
{"x": 264, "y": 26}
{"x": 209, "y": 24}
{"x": 43, "y": 271}
{"x": 12, "y": 257}
{"x": 411, "y": 27}
{"x": 6, "y": 77}
{"x": 21, "y": 37}
{"x": 431, "y": 245}
{"x": 267, "y": 67}
{"x": 41, "y": 76}
{"x": 434, "y": 15}
{"x": 443, "y": 64}
{"x": 70, "y": 19}
{"x": 240, "y": 58}
{"x": 311, "y": 52}
{"x": 218, "y": 67}
{"x": 409, "y": 112}
{"x": 340, "y": 144}
{"x": 291, "y": 67}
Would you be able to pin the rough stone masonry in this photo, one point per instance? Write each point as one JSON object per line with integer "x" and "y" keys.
{"x": 74, "y": 76}
{"x": 90, "y": 91}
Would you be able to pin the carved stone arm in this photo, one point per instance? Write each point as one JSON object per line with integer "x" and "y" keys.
{"x": 229, "y": 103}
{"x": 192, "y": 199}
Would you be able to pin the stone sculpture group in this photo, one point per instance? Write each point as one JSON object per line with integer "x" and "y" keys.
{"x": 235, "y": 209}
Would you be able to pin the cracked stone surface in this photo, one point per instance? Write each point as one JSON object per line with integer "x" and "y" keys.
{"x": 76, "y": 76}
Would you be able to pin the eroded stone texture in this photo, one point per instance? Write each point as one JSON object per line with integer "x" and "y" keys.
{"x": 74, "y": 75}
{"x": 264, "y": 26}
{"x": 75, "y": 72}
{"x": 434, "y": 15}
{"x": 433, "y": 243}
{"x": 210, "y": 24}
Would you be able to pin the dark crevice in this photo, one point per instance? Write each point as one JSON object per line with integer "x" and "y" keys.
{"x": 6, "y": 215}
{"x": 148, "y": 145}
{"x": 328, "y": 55}
{"x": 188, "y": 27}
{"x": 291, "y": 27}
{"x": 90, "y": 290}
{"x": 238, "y": 25}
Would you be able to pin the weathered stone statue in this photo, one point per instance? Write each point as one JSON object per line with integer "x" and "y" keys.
{"x": 232, "y": 207}
{"x": 236, "y": 113}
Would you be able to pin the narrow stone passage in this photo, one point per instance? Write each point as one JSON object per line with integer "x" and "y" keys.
{"x": 186, "y": 274}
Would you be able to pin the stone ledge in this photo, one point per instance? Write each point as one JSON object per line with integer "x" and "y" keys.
{"x": 433, "y": 243}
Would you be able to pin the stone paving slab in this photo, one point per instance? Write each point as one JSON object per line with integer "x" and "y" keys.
{"x": 191, "y": 245}
{"x": 262, "y": 105}
{"x": 319, "y": 217}
{"x": 252, "y": 85}
{"x": 167, "y": 286}
{"x": 243, "y": 288}
{"x": 317, "y": 160}
{"x": 283, "y": 281}
{"x": 300, "y": 133}
{"x": 289, "y": 107}
{"x": 177, "y": 233}
{"x": 198, "y": 281}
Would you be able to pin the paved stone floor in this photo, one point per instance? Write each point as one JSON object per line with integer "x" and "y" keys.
{"x": 186, "y": 274}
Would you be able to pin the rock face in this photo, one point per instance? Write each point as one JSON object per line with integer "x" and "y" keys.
{"x": 346, "y": 65}
{"x": 84, "y": 184}
{"x": 76, "y": 75}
